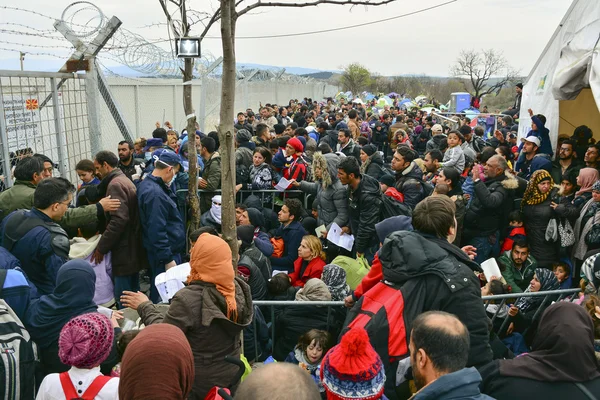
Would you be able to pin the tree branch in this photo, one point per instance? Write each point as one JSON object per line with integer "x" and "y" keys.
{"x": 313, "y": 3}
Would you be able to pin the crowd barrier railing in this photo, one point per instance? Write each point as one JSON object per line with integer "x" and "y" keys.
{"x": 501, "y": 300}
{"x": 266, "y": 196}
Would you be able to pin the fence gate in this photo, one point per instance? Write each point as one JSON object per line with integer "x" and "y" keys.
{"x": 46, "y": 113}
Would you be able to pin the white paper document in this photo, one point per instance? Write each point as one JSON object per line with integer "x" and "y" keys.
{"x": 319, "y": 231}
{"x": 168, "y": 283}
{"x": 282, "y": 184}
{"x": 490, "y": 268}
{"x": 337, "y": 237}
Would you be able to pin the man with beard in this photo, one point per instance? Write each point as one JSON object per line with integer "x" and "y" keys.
{"x": 567, "y": 161}
{"x": 127, "y": 162}
{"x": 439, "y": 348}
{"x": 518, "y": 266}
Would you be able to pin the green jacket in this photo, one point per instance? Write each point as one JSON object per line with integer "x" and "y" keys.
{"x": 517, "y": 279}
{"x": 20, "y": 196}
{"x": 212, "y": 176}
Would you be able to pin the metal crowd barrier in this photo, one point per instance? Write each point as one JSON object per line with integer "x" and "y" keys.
{"x": 266, "y": 196}
{"x": 554, "y": 295}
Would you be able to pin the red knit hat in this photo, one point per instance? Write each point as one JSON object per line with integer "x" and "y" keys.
{"x": 296, "y": 144}
{"x": 353, "y": 370}
{"x": 86, "y": 340}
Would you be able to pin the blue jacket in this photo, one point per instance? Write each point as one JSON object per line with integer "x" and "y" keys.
{"x": 463, "y": 384}
{"x": 540, "y": 161}
{"x": 36, "y": 255}
{"x": 292, "y": 236}
{"x": 543, "y": 133}
{"x": 16, "y": 291}
{"x": 163, "y": 231}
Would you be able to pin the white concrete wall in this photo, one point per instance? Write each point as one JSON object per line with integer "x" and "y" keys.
{"x": 143, "y": 102}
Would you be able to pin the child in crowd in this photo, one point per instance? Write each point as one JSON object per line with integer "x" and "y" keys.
{"x": 353, "y": 369}
{"x": 386, "y": 183}
{"x": 516, "y": 230}
{"x": 310, "y": 350}
{"x": 441, "y": 189}
{"x": 83, "y": 247}
{"x": 492, "y": 288}
{"x": 84, "y": 343}
{"x": 454, "y": 156}
{"x": 122, "y": 343}
{"x": 562, "y": 271}
{"x": 87, "y": 173}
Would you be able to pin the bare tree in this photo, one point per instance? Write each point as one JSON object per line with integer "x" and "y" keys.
{"x": 181, "y": 28}
{"x": 228, "y": 13}
{"x": 483, "y": 72}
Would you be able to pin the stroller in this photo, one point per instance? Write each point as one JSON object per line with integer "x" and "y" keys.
{"x": 217, "y": 393}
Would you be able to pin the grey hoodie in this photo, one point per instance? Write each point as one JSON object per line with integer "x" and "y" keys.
{"x": 331, "y": 199}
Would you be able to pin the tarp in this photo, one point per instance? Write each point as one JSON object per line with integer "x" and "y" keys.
{"x": 569, "y": 63}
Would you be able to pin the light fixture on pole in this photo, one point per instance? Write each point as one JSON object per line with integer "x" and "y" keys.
{"x": 187, "y": 47}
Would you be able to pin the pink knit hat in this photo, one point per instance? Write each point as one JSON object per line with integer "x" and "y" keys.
{"x": 85, "y": 341}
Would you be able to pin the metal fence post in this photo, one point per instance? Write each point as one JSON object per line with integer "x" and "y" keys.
{"x": 60, "y": 139}
{"x": 92, "y": 95}
{"x": 4, "y": 137}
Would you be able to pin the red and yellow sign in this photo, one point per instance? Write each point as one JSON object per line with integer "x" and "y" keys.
{"x": 31, "y": 104}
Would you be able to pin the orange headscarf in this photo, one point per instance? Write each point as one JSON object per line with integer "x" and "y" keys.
{"x": 211, "y": 262}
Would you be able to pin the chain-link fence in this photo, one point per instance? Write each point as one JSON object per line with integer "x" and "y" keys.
{"x": 46, "y": 113}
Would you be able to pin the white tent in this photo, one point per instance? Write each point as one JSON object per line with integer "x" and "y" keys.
{"x": 564, "y": 84}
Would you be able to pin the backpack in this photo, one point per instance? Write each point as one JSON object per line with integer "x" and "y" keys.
{"x": 91, "y": 392}
{"x": 18, "y": 354}
{"x": 391, "y": 207}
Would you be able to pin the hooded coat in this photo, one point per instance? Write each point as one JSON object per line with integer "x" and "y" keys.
{"x": 425, "y": 273}
{"x": 489, "y": 207}
{"x": 409, "y": 182}
{"x": 536, "y": 218}
{"x": 330, "y": 195}
{"x": 373, "y": 166}
{"x": 364, "y": 206}
{"x": 199, "y": 310}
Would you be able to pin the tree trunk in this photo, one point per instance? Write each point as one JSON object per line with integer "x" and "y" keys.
{"x": 193, "y": 201}
{"x": 226, "y": 133}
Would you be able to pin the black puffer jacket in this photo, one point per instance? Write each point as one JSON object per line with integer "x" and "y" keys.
{"x": 429, "y": 274}
{"x": 374, "y": 166}
{"x": 364, "y": 205}
{"x": 490, "y": 205}
{"x": 436, "y": 275}
{"x": 256, "y": 281}
{"x": 536, "y": 218}
{"x": 410, "y": 183}
{"x": 262, "y": 262}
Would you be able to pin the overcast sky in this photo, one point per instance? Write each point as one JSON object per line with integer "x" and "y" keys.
{"x": 425, "y": 43}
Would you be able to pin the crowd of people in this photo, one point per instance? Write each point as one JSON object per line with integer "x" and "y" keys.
{"x": 423, "y": 201}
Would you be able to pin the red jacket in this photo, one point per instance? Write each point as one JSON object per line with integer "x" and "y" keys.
{"x": 515, "y": 233}
{"x": 374, "y": 276}
{"x": 314, "y": 269}
{"x": 394, "y": 194}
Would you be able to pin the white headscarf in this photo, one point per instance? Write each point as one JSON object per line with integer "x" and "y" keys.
{"x": 215, "y": 210}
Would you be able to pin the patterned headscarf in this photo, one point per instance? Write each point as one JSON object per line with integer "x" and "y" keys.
{"x": 334, "y": 277}
{"x": 532, "y": 194}
{"x": 547, "y": 280}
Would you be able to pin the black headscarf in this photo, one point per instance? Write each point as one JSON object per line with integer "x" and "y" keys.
{"x": 563, "y": 349}
{"x": 73, "y": 296}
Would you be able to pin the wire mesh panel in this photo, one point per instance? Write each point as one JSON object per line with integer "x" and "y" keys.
{"x": 44, "y": 113}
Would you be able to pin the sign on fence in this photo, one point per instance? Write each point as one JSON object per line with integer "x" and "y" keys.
{"x": 22, "y": 116}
